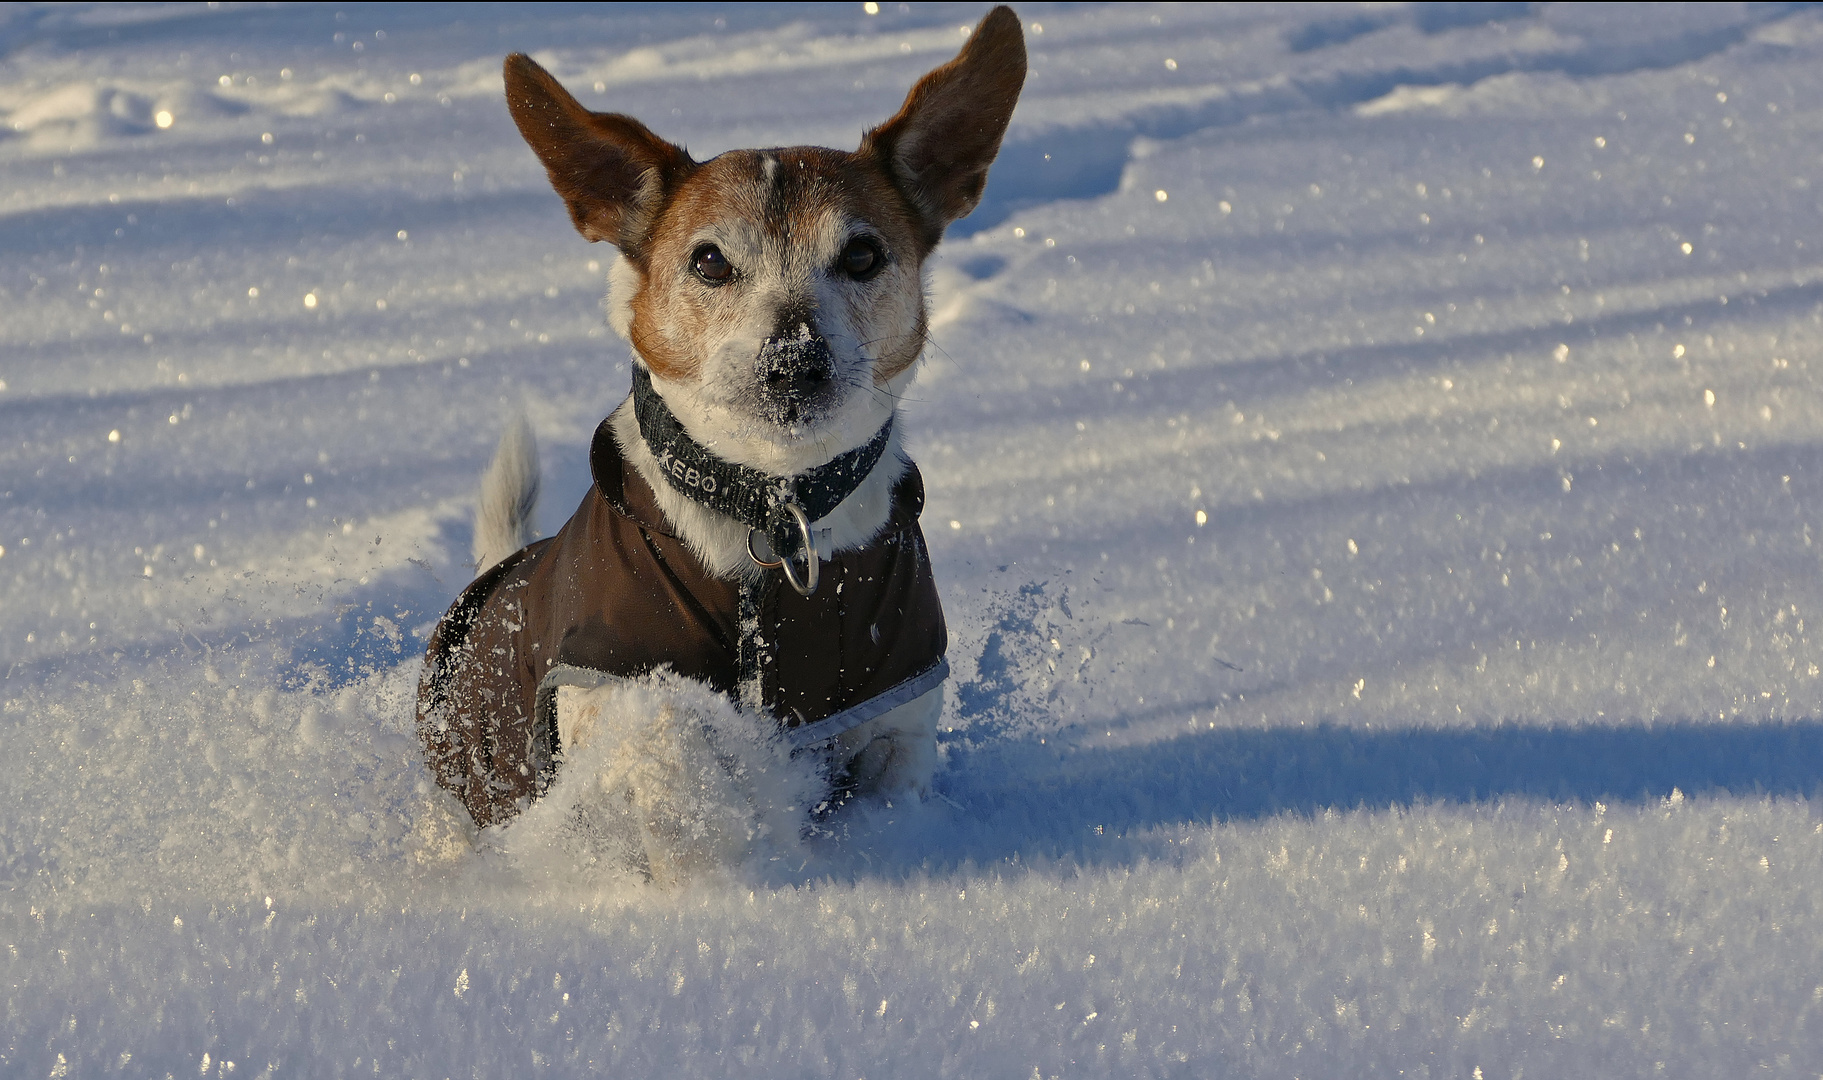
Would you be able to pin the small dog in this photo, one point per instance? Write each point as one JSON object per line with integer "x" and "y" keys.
{"x": 753, "y": 524}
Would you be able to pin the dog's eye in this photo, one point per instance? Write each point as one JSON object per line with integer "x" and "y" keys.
{"x": 862, "y": 259}
{"x": 711, "y": 265}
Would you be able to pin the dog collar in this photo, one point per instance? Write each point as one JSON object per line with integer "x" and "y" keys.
{"x": 779, "y": 509}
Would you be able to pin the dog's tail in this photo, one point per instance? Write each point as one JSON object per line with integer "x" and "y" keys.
{"x": 509, "y": 494}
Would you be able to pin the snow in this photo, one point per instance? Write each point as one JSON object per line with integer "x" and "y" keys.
{"x": 1371, "y": 458}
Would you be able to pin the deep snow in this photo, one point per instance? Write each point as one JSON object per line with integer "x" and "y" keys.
{"x": 1372, "y": 455}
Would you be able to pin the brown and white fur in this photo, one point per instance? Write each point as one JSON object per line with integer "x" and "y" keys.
{"x": 792, "y": 226}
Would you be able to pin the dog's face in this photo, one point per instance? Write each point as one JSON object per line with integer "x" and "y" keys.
{"x": 783, "y": 286}
{"x": 777, "y": 295}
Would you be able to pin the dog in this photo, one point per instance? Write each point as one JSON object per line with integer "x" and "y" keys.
{"x": 753, "y": 523}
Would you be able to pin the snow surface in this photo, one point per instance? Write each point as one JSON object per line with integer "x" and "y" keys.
{"x": 1373, "y": 459}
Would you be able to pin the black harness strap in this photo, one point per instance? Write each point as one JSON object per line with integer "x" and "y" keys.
{"x": 754, "y": 651}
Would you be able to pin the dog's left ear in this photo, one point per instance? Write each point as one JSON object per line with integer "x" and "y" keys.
{"x": 938, "y": 148}
{"x": 611, "y": 170}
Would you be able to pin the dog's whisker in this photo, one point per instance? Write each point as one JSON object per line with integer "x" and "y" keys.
{"x": 943, "y": 352}
{"x": 885, "y": 337}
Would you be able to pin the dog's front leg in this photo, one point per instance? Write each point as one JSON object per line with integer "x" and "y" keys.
{"x": 895, "y": 754}
{"x": 666, "y": 776}
{"x": 646, "y": 766}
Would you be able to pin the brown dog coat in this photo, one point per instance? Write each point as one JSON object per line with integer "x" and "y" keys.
{"x": 617, "y": 594}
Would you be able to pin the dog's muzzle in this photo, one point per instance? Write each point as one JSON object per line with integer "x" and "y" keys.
{"x": 797, "y": 373}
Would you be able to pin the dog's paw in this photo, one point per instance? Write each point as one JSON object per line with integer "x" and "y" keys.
{"x": 895, "y": 755}
{"x": 662, "y": 778}
{"x": 684, "y": 796}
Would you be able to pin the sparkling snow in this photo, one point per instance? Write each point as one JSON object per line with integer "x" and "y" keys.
{"x": 1370, "y": 455}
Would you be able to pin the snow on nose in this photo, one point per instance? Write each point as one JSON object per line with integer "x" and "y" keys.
{"x": 795, "y": 366}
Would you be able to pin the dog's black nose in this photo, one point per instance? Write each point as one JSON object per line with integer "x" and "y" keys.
{"x": 796, "y": 367}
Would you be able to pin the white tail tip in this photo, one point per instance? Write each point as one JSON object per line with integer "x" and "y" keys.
{"x": 509, "y": 495}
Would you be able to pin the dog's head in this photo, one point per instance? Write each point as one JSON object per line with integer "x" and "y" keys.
{"x": 776, "y": 296}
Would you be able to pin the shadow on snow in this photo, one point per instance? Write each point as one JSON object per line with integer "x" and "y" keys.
{"x": 1083, "y": 805}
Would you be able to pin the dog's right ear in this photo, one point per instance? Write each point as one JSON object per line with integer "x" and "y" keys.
{"x": 611, "y": 171}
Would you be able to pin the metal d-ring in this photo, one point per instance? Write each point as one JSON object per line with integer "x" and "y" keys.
{"x": 809, "y": 584}
{"x": 783, "y": 562}
{"x": 764, "y": 563}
